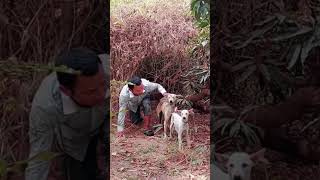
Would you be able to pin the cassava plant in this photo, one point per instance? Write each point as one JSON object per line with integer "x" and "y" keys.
{"x": 228, "y": 123}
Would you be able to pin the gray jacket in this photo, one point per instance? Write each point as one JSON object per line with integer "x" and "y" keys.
{"x": 54, "y": 117}
{"x": 131, "y": 102}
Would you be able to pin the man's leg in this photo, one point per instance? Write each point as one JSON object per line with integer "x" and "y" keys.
{"x": 136, "y": 116}
{"x": 86, "y": 170}
{"x": 91, "y": 160}
{"x": 146, "y": 103}
{"x": 74, "y": 169}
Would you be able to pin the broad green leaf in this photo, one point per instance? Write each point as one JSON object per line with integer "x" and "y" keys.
{"x": 3, "y": 168}
{"x": 220, "y": 123}
{"x": 246, "y": 74}
{"x": 226, "y": 125}
{"x": 18, "y": 167}
{"x": 250, "y": 134}
{"x": 242, "y": 65}
{"x": 246, "y": 110}
{"x": 292, "y": 35}
{"x": 234, "y": 129}
{"x": 267, "y": 20}
{"x": 265, "y": 72}
{"x": 295, "y": 56}
{"x": 255, "y": 34}
{"x": 307, "y": 46}
{"x": 258, "y": 129}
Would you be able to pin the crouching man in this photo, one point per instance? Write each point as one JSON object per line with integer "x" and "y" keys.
{"x": 67, "y": 115}
{"x": 135, "y": 96}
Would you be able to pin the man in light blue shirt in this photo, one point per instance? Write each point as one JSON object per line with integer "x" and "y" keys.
{"x": 67, "y": 114}
{"x": 133, "y": 97}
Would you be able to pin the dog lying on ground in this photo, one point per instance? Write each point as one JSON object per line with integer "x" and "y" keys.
{"x": 238, "y": 164}
{"x": 164, "y": 110}
{"x": 180, "y": 121}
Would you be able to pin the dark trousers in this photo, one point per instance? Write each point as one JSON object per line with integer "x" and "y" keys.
{"x": 86, "y": 170}
{"x": 146, "y": 105}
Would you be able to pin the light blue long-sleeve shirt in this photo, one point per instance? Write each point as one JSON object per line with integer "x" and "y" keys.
{"x": 129, "y": 101}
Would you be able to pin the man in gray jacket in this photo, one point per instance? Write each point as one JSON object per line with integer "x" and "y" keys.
{"x": 67, "y": 114}
{"x": 134, "y": 96}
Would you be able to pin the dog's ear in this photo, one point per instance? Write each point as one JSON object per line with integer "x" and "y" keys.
{"x": 259, "y": 156}
{"x": 223, "y": 158}
{"x": 191, "y": 111}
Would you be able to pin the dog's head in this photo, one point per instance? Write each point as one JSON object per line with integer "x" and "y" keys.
{"x": 240, "y": 164}
{"x": 184, "y": 114}
{"x": 172, "y": 98}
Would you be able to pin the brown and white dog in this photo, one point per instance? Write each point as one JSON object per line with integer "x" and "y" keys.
{"x": 164, "y": 110}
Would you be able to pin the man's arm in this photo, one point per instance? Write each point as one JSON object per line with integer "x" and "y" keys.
{"x": 123, "y": 100}
{"x": 40, "y": 138}
{"x": 157, "y": 86}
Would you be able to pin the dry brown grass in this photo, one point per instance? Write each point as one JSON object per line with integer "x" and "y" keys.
{"x": 151, "y": 39}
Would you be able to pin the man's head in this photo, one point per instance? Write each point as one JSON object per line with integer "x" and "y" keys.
{"x": 135, "y": 86}
{"x": 87, "y": 89}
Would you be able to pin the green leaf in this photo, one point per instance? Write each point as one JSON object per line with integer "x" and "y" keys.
{"x": 226, "y": 125}
{"x": 246, "y": 110}
{"x": 307, "y": 46}
{"x": 234, "y": 130}
{"x": 246, "y": 74}
{"x": 242, "y": 65}
{"x": 18, "y": 167}
{"x": 258, "y": 129}
{"x": 295, "y": 56}
{"x": 220, "y": 123}
{"x": 292, "y": 35}
{"x": 250, "y": 134}
{"x": 3, "y": 168}
{"x": 265, "y": 72}
{"x": 267, "y": 20}
{"x": 255, "y": 34}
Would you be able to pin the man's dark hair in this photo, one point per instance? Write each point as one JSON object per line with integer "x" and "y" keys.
{"x": 79, "y": 59}
{"x": 134, "y": 81}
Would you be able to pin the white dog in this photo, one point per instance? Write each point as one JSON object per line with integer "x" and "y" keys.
{"x": 180, "y": 120}
{"x": 239, "y": 165}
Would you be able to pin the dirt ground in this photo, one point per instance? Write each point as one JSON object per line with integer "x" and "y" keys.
{"x": 139, "y": 157}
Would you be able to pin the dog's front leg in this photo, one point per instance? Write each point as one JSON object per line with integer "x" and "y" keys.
{"x": 165, "y": 128}
{"x": 171, "y": 126}
{"x": 180, "y": 140}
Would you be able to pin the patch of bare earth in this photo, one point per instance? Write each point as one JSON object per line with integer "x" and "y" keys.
{"x": 139, "y": 157}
